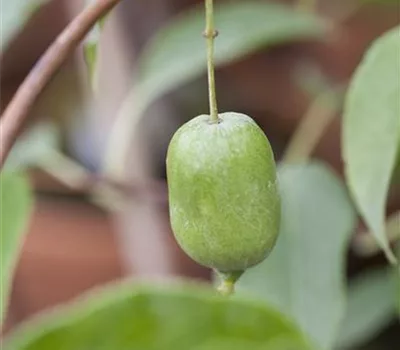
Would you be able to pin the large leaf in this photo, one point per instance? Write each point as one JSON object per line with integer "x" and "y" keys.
{"x": 152, "y": 318}
{"x": 177, "y": 53}
{"x": 275, "y": 344}
{"x": 15, "y": 206}
{"x": 303, "y": 276}
{"x": 371, "y": 132}
{"x": 14, "y": 15}
{"x": 371, "y": 307}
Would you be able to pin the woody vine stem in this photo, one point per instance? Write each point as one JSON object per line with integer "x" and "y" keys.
{"x": 210, "y": 33}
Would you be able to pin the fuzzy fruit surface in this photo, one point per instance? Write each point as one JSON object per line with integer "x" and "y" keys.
{"x": 223, "y": 192}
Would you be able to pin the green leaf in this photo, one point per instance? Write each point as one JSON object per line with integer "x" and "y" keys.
{"x": 371, "y": 132}
{"x": 34, "y": 147}
{"x": 303, "y": 276}
{"x": 90, "y": 53}
{"x": 371, "y": 307}
{"x": 177, "y": 54}
{"x": 154, "y": 317}
{"x": 90, "y": 49}
{"x": 275, "y": 344}
{"x": 14, "y": 15}
{"x": 15, "y": 207}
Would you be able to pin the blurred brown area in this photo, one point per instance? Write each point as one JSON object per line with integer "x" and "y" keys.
{"x": 72, "y": 245}
{"x": 70, "y": 248}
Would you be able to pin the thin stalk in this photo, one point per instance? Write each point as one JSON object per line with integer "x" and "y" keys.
{"x": 210, "y": 33}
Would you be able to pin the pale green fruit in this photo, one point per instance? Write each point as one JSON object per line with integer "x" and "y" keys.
{"x": 223, "y": 192}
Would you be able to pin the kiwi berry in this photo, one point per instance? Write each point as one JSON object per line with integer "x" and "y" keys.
{"x": 223, "y": 192}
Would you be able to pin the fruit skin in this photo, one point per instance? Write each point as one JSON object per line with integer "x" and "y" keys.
{"x": 223, "y": 192}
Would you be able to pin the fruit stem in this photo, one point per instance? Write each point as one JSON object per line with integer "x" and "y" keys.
{"x": 228, "y": 280}
{"x": 210, "y": 33}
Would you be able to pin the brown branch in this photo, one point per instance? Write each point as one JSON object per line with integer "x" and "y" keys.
{"x": 18, "y": 109}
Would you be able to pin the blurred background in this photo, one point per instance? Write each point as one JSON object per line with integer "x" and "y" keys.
{"x": 77, "y": 240}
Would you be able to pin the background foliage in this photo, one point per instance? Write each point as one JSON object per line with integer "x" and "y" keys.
{"x": 297, "y": 298}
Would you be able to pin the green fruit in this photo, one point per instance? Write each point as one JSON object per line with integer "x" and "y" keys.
{"x": 223, "y": 192}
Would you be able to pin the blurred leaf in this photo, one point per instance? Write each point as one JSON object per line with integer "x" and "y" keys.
{"x": 90, "y": 52}
{"x": 371, "y": 307}
{"x": 310, "y": 78}
{"x": 364, "y": 244}
{"x": 33, "y": 147}
{"x": 303, "y": 276}
{"x": 15, "y": 206}
{"x": 396, "y": 172}
{"x": 229, "y": 345}
{"x": 276, "y": 344}
{"x": 90, "y": 49}
{"x": 153, "y": 318}
{"x": 390, "y": 2}
{"x": 177, "y": 53}
{"x": 371, "y": 132}
{"x": 14, "y": 15}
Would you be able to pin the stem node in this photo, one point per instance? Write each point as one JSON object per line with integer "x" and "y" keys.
{"x": 210, "y": 34}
